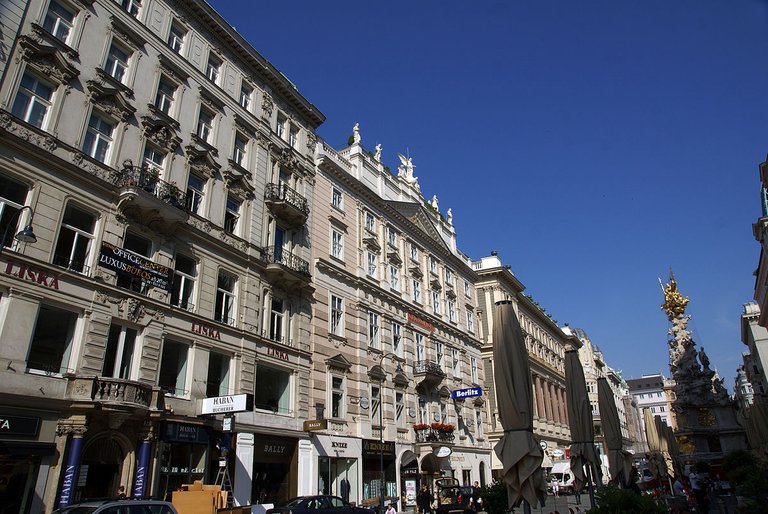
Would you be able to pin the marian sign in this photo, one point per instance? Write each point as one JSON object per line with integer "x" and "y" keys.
{"x": 134, "y": 265}
{"x": 222, "y": 404}
{"x": 458, "y": 394}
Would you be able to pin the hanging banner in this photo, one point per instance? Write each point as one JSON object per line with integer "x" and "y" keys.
{"x": 134, "y": 265}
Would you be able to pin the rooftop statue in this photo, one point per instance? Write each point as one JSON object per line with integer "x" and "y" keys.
{"x": 449, "y": 216}
{"x": 356, "y": 133}
{"x": 377, "y": 155}
{"x": 433, "y": 203}
{"x": 405, "y": 171}
{"x": 674, "y": 303}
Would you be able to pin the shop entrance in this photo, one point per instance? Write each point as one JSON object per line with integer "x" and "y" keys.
{"x": 100, "y": 468}
{"x": 337, "y": 476}
{"x": 409, "y": 479}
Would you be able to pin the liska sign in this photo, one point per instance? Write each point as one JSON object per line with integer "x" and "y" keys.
{"x": 224, "y": 404}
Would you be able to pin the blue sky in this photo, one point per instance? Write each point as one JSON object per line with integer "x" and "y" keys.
{"x": 592, "y": 144}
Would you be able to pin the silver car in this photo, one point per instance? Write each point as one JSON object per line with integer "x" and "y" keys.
{"x": 126, "y": 506}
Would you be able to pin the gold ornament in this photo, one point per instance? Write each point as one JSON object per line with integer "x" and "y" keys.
{"x": 674, "y": 303}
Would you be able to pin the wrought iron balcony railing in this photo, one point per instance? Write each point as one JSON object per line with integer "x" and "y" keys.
{"x": 278, "y": 255}
{"x": 431, "y": 435}
{"x": 283, "y": 193}
{"x": 427, "y": 366}
{"x": 147, "y": 179}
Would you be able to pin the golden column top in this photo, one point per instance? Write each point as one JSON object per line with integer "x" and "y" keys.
{"x": 674, "y": 303}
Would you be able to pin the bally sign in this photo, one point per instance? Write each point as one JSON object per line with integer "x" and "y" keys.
{"x": 222, "y": 404}
{"x": 134, "y": 265}
{"x": 458, "y": 394}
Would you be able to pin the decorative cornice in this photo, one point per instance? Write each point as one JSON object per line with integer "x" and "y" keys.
{"x": 47, "y": 60}
{"x": 161, "y": 129}
{"x": 110, "y": 100}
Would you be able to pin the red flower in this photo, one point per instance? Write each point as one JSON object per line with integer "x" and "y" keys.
{"x": 420, "y": 426}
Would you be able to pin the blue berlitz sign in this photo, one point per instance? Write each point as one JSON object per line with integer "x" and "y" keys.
{"x": 458, "y": 394}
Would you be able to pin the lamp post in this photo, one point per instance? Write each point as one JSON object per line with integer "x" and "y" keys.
{"x": 382, "y": 484}
{"x": 26, "y": 235}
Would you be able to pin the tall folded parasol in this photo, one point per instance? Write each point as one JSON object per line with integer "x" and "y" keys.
{"x": 518, "y": 451}
{"x": 619, "y": 460}
{"x": 656, "y": 463}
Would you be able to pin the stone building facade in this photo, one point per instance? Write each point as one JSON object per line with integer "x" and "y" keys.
{"x": 395, "y": 334}
{"x": 546, "y": 344}
{"x": 167, "y": 170}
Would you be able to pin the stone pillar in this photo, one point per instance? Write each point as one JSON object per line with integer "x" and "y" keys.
{"x": 553, "y": 399}
{"x": 142, "y": 469}
{"x": 535, "y": 397}
{"x": 564, "y": 406}
{"x": 307, "y": 472}
{"x": 243, "y": 469}
{"x": 547, "y": 401}
{"x": 71, "y": 469}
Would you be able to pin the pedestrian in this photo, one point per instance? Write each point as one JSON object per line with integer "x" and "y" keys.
{"x": 555, "y": 488}
{"x": 391, "y": 509}
{"x": 424, "y": 500}
{"x": 121, "y": 492}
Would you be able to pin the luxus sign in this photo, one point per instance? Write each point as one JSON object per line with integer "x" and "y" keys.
{"x": 223, "y": 404}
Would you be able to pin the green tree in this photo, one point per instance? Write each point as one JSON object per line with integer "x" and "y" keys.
{"x": 612, "y": 500}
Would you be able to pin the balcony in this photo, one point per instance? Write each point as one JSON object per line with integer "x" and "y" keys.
{"x": 285, "y": 268}
{"x": 428, "y": 375}
{"x": 115, "y": 393}
{"x": 148, "y": 200}
{"x": 438, "y": 433}
{"x": 287, "y": 204}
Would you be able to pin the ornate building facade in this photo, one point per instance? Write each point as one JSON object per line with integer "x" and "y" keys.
{"x": 166, "y": 169}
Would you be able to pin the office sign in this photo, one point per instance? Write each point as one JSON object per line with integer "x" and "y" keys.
{"x": 134, "y": 265}
{"x": 472, "y": 392}
{"x": 224, "y": 404}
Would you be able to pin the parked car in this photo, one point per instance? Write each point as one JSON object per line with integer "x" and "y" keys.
{"x": 452, "y": 498}
{"x": 561, "y": 472}
{"x": 112, "y": 506}
{"x": 312, "y": 504}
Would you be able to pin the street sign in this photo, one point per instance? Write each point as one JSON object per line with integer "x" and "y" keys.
{"x": 224, "y": 404}
{"x": 460, "y": 394}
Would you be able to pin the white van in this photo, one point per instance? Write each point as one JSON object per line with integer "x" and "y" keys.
{"x": 561, "y": 471}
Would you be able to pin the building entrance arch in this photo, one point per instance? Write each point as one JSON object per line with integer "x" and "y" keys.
{"x": 103, "y": 463}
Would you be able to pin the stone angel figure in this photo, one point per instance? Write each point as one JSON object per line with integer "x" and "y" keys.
{"x": 405, "y": 169}
{"x": 356, "y": 133}
{"x": 377, "y": 155}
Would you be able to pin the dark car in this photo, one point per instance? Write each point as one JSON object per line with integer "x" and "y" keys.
{"x": 112, "y": 506}
{"x": 320, "y": 504}
{"x": 452, "y": 498}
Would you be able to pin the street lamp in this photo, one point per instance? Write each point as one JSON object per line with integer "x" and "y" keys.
{"x": 26, "y": 235}
{"x": 382, "y": 484}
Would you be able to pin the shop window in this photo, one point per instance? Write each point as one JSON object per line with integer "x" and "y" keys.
{"x": 185, "y": 274}
{"x": 13, "y": 195}
{"x": 52, "y": 340}
{"x": 118, "y": 356}
{"x": 33, "y": 100}
{"x": 173, "y": 368}
{"x": 73, "y": 248}
{"x": 273, "y": 389}
{"x": 140, "y": 246}
{"x": 217, "y": 383}
{"x": 338, "y": 396}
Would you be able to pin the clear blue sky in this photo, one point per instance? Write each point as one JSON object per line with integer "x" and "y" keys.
{"x": 592, "y": 144}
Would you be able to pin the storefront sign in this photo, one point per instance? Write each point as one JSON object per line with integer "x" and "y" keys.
{"x": 19, "y": 425}
{"x": 134, "y": 265}
{"x": 231, "y": 403}
{"x": 472, "y": 392}
{"x": 442, "y": 451}
{"x": 206, "y": 330}
{"x": 280, "y": 354}
{"x": 412, "y": 318}
{"x": 182, "y": 433}
{"x": 374, "y": 448}
{"x": 38, "y": 276}
{"x": 315, "y": 424}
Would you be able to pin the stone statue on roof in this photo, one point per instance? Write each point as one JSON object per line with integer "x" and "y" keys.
{"x": 377, "y": 155}
{"x": 356, "y": 133}
{"x": 449, "y": 216}
{"x": 405, "y": 171}
{"x": 433, "y": 203}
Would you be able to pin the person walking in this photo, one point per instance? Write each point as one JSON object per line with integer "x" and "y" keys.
{"x": 391, "y": 509}
{"x": 424, "y": 500}
{"x": 555, "y": 488}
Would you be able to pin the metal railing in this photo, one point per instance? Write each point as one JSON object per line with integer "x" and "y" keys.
{"x": 430, "y": 435}
{"x": 428, "y": 366}
{"x": 147, "y": 178}
{"x": 283, "y": 193}
{"x": 278, "y": 255}
{"x": 65, "y": 262}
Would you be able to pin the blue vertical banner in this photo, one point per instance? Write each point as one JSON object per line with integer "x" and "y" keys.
{"x": 71, "y": 471}
{"x": 142, "y": 469}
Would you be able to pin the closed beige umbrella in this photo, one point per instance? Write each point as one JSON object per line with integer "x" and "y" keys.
{"x": 619, "y": 460}
{"x": 580, "y": 419}
{"x": 518, "y": 451}
{"x": 656, "y": 463}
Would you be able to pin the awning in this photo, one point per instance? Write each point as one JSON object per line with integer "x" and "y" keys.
{"x": 547, "y": 462}
{"x": 495, "y": 462}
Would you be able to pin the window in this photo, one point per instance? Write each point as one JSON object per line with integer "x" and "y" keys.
{"x": 117, "y": 62}
{"x": 370, "y": 222}
{"x": 205, "y": 125}
{"x": 52, "y": 340}
{"x": 470, "y": 321}
{"x": 451, "y": 310}
{"x": 371, "y": 265}
{"x": 455, "y": 362}
{"x": 176, "y": 38}
{"x": 280, "y": 126}
{"x": 448, "y": 277}
{"x": 173, "y": 368}
{"x": 439, "y": 355}
{"x": 213, "y": 69}
{"x": 432, "y": 265}
{"x": 337, "y": 311}
{"x": 217, "y": 383}
{"x": 373, "y": 329}
{"x": 130, "y": 6}
{"x": 467, "y": 289}
{"x": 414, "y": 253}
{"x": 337, "y": 244}
{"x": 225, "y": 298}
{"x": 394, "y": 278}
{"x": 58, "y": 21}
{"x": 273, "y": 389}
{"x": 293, "y": 137}
{"x": 337, "y": 198}
{"x": 232, "y": 215}
{"x": 118, "y": 356}
{"x": 479, "y": 423}
{"x": 397, "y": 339}
{"x": 391, "y": 237}
{"x": 184, "y": 274}
{"x": 473, "y": 370}
{"x": 276, "y": 318}
{"x": 33, "y": 101}
{"x": 140, "y": 246}
{"x": 400, "y": 409}
{"x": 419, "y": 346}
{"x": 435, "y": 302}
{"x": 416, "y": 290}
{"x": 246, "y": 92}
{"x": 154, "y": 159}
{"x": 337, "y": 397}
{"x": 164, "y": 98}
{"x": 375, "y": 404}
{"x": 194, "y": 193}
{"x": 238, "y": 152}
{"x": 73, "y": 247}
{"x": 98, "y": 138}
{"x": 423, "y": 415}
